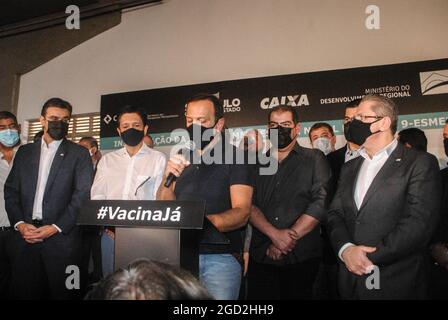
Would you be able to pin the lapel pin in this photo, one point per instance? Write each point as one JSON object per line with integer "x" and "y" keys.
{"x": 399, "y": 159}
{"x": 61, "y": 154}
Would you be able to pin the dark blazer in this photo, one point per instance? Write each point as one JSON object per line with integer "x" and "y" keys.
{"x": 336, "y": 159}
{"x": 441, "y": 234}
{"x": 68, "y": 185}
{"x": 398, "y": 216}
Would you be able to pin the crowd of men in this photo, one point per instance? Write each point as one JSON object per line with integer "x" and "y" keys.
{"x": 366, "y": 221}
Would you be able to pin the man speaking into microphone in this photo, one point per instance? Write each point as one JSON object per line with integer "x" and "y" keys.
{"x": 225, "y": 186}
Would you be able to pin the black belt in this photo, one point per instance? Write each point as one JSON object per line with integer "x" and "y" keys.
{"x": 5, "y": 228}
{"x": 37, "y": 223}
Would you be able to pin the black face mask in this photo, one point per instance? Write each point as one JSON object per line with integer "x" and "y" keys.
{"x": 132, "y": 137}
{"x": 346, "y": 132}
{"x": 284, "y": 136}
{"x": 199, "y": 142}
{"x": 359, "y": 131}
{"x": 57, "y": 129}
{"x": 445, "y": 144}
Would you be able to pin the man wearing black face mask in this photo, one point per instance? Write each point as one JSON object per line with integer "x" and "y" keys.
{"x": 385, "y": 210}
{"x": 48, "y": 183}
{"x": 133, "y": 172}
{"x": 439, "y": 243}
{"x": 226, "y": 188}
{"x": 346, "y": 153}
{"x": 287, "y": 208}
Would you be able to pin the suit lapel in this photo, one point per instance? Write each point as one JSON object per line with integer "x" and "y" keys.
{"x": 34, "y": 165}
{"x": 387, "y": 170}
{"x": 353, "y": 179}
{"x": 56, "y": 164}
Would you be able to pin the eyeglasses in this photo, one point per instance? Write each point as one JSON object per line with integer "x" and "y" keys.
{"x": 363, "y": 118}
{"x": 65, "y": 120}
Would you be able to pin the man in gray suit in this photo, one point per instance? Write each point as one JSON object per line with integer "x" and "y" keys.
{"x": 385, "y": 210}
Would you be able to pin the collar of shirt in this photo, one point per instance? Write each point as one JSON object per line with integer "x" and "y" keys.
{"x": 351, "y": 154}
{"x": 54, "y": 145}
{"x": 143, "y": 150}
{"x": 385, "y": 152}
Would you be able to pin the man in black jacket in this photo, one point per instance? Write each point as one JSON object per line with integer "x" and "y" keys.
{"x": 384, "y": 211}
{"x": 287, "y": 208}
{"x": 48, "y": 183}
{"x": 346, "y": 153}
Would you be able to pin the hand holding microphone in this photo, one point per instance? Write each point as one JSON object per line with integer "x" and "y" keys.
{"x": 176, "y": 164}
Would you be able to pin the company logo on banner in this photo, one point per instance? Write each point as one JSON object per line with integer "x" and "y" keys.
{"x": 296, "y": 100}
{"x": 108, "y": 119}
{"x": 230, "y": 105}
{"x": 434, "y": 82}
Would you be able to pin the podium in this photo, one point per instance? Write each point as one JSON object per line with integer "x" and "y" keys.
{"x": 166, "y": 231}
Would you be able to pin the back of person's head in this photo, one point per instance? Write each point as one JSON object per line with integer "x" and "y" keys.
{"x": 149, "y": 280}
{"x": 414, "y": 138}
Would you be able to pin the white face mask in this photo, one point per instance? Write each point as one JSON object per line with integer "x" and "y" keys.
{"x": 323, "y": 144}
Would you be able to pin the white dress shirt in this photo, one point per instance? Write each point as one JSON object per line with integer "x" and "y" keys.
{"x": 47, "y": 153}
{"x": 122, "y": 177}
{"x": 5, "y": 168}
{"x": 368, "y": 171}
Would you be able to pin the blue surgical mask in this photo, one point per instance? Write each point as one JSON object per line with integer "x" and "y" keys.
{"x": 9, "y": 138}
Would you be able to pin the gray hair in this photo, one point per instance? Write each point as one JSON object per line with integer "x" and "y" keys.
{"x": 384, "y": 107}
{"x": 149, "y": 280}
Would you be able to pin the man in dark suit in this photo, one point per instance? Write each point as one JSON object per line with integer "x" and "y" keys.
{"x": 48, "y": 183}
{"x": 385, "y": 210}
{"x": 346, "y": 153}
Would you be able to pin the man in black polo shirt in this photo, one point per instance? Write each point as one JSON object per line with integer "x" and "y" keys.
{"x": 287, "y": 208}
{"x": 226, "y": 188}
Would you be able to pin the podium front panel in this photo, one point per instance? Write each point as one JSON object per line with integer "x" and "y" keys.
{"x": 151, "y": 243}
{"x": 176, "y": 247}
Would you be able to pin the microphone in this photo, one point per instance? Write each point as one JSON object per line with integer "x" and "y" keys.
{"x": 189, "y": 146}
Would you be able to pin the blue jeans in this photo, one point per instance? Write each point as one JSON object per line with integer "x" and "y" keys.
{"x": 221, "y": 275}
{"x": 107, "y": 254}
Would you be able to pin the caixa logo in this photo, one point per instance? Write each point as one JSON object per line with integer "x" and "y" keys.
{"x": 297, "y": 100}
{"x": 108, "y": 118}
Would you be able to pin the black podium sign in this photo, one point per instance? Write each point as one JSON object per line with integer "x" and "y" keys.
{"x": 167, "y": 231}
{"x": 136, "y": 213}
